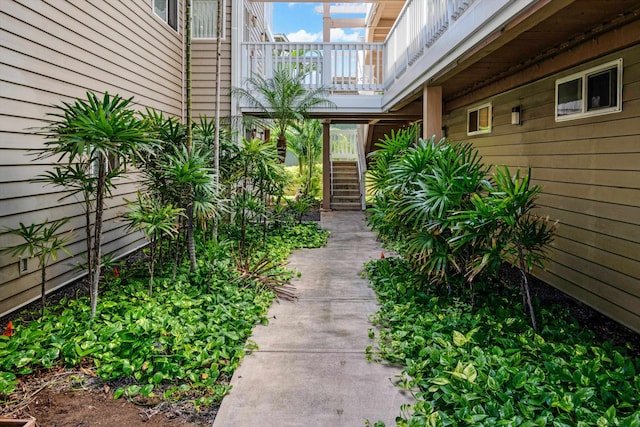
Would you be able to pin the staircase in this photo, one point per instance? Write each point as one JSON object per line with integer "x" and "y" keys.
{"x": 346, "y": 187}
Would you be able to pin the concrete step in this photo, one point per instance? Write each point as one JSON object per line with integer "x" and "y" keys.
{"x": 346, "y": 206}
{"x": 343, "y": 192}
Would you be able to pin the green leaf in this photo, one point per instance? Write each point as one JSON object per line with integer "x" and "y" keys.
{"x": 459, "y": 339}
{"x": 118, "y": 393}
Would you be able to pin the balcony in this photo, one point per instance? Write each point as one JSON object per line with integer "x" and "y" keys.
{"x": 370, "y": 79}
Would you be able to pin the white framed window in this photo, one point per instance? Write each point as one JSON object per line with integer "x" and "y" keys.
{"x": 592, "y": 92}
{"x": 167, "y": 10}
{"x": 204, "y": 19}
{"x": 479, "y": 119}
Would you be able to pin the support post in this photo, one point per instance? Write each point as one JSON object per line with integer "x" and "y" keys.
{"x": 326, "y": 166}
{"x": 432, "y": 111}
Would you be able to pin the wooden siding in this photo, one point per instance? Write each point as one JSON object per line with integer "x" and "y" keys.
{"x": 203, "y": 74}
{"x": 589, "y": 170}
{"x": 53, "y": 51}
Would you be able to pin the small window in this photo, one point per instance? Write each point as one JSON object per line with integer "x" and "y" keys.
{"x": 204, "y": 19}
{"x": 479, "y": 120}
{"x": 590, "y": 93}
{"x": 167, "y": 10}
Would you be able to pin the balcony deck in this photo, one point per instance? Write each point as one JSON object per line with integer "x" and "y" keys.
{"x": 370, "y": 79}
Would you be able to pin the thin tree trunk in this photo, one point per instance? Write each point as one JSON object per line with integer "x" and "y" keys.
{"x": 97, "y": 245}
{"x": 187, "y": 56}
{"x": 191, "y": 243}
{"x": 525, "y": 286}
{"x": 87, "y": 228}
{"x": 43, "y": 285}
{"x": 216, "y": 134}
{"x": 152, "y": 265}
{"x": 282, "y": 147}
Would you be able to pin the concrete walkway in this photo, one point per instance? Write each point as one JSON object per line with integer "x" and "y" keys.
{"x": 310, "y": 369}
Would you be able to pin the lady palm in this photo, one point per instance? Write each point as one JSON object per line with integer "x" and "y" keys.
{"x": 104, "y": 136}
{"x": 42, "y": 241}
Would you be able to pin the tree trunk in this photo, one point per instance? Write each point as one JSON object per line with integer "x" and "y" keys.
{"x": 97, "y": 244}
{"x": 282, "y": 147}
{"x": 216, "y": 135}
{"x": 191, "y": 243}
{"x": 526, "y": 292}
{"x": 43, "y": 285}
{"x": 187, "y": 65}
{"x": 152, "y": 264}
{"x": 87, "y": 228}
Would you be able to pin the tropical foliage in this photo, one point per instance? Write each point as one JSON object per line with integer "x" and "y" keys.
{"x": 42, "y": 241}
{"x": 484, "y": 366}
{"x": 94, "y": 139}
{"x": 437, "y": 204}
{"x": 282, "y": 98}
{"x": 182, "y": 342}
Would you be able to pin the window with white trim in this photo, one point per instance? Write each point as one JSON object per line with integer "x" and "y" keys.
{"x": 479, "y": 119}
{"x": 592, "y": 92}
{"x": 167, "y": 10}
{"x": 204, "y": 19}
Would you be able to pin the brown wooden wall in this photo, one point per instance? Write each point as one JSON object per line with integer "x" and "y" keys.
{"x": 590, "y": 173}
{"x": 53, "y": 51}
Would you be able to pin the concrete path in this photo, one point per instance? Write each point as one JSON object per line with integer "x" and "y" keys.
{"x": 310, "y": 369}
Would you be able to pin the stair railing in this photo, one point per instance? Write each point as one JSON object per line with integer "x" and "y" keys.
{"x": 362, "y": 168}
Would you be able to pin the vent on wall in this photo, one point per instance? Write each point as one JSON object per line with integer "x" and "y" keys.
{"x": 23, "y": 265}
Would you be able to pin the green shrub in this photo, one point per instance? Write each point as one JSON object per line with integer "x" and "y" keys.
{"x": 483, "y": 366}
{"x": 436, "y": 203}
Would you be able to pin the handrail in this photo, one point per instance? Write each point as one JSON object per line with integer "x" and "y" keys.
{"x": 362, "y": 168}
{"x": 338, "y": 67}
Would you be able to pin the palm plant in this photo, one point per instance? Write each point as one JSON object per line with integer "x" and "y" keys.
{"x": 41, "y": 241}
{"x": 190, "y": 184}
{"x": 155, "y": 219}
{"x": 105, "y": 136}
{"x": 258, "y": 176}
{"x": 306, "y": 144}
{"x": 502, "y": 227}
{"x": 282, "y": 98}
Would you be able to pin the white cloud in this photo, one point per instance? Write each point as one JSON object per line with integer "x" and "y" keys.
{"x": 340, "y": 35}
{"x": 304, "y": 37}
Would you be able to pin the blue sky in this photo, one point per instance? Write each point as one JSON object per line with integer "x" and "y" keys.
{"x": 302, "y": 22}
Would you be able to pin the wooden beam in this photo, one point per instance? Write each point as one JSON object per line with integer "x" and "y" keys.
{"x": 326, "y": 166}
{"x": 348, "y": 23}
{"x": 432, "y": 111}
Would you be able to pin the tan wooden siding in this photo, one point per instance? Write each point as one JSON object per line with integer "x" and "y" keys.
{"x": 53, "y": 51}
{"x": 203, "y": 74}
{"x": 589, "y": 170}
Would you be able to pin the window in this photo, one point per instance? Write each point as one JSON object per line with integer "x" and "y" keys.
{"x": 479, "y": 119}
{"x": 204, "y": 22}
{"x": 167, "y": 10}
{"x": 590, "y": 93}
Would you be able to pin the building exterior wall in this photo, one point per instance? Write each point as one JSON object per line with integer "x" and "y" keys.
{"x": 204, "y": 70}
{"x": 54, "y": 51}
{"x": 589, "y": 170}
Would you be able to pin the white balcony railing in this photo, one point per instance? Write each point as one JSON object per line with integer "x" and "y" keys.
{"x": 339, "y": 67}
{"x": 419, "y": 25}
{"x": 359, "y": 68}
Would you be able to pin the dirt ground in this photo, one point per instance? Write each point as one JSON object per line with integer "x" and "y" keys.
{"x": 97, "y": 408}
{"x": 78, "y": 399}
